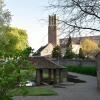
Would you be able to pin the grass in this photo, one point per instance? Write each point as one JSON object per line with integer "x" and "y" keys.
{"x": 82, "y": 70}
{"x": 32, "y": 91}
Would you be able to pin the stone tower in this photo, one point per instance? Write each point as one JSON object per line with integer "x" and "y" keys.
{"x": 53, "y": 30}
{"x": 52, "y": 36}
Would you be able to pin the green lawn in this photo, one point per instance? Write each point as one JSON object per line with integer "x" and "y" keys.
{"x": 32, "y": 91}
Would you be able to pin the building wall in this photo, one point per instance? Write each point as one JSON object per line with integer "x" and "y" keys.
{"x": 47, "y": 50}
{"x": 76, "y": 62}
{"x": 75, "y": 49}
{"x": 77, "y": 40}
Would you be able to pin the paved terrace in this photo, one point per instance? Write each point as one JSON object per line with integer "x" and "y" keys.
{"x": 78, "y": 91}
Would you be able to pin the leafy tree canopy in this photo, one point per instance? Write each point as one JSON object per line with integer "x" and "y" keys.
{"x": 11, "y": 75}
{"x": 89, "y": 46}
{"x": 5, "y": 18}
{"x": 13, "y": 40}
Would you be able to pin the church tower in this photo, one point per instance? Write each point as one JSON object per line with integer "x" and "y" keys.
{"x": 52, "y": 36}
{"x": 53, "y": 30}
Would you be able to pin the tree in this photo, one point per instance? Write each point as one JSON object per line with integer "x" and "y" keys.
{"x": 69, "y": 43}
{"x": 78, "y": 15}
{"x": 10, "y": 67}
{"x": 5, "y": 18}
{"x": 56, "y": 53}
{"x": 10, "y": 72}
{"x": 81, "y": 54}
{"x": 13, "y": 40}
{"x": 89, "y": 46}
{"x": 69, "y": 53}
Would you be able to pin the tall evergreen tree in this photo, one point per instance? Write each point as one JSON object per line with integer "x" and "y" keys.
{"x": 56, "y": 53}
{"x": 81, "y": 54}
{"x": 69, "y": 53}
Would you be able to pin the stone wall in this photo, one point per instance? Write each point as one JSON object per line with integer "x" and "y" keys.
{"x": 72, "y": 62}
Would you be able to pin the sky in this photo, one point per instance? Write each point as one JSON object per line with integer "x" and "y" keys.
{"x": 32, "y": 16}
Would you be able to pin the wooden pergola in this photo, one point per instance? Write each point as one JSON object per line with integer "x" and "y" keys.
{"x": 55, "y": 72}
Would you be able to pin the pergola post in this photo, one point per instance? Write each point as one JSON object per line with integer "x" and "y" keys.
{"x": 60, "y": 75}
{"x": 49, "y": 75}
{"x": 39, "y": 76}
{"x": 55, "y": 76}
{"x": 66, "y": 75}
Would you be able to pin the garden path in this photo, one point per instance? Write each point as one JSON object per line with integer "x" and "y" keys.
{"x": 77, "y": 91}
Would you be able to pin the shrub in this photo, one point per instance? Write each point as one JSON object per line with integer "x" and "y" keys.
{"x": 82, "y": 70}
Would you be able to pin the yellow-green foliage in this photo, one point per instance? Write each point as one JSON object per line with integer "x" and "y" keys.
{"x": 89, "y": 46}
{"x": 14, "y": 39}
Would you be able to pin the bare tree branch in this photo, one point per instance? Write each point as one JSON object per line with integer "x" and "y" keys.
{"x": 79, "y": 27}
{"x": 78, "y": 14}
